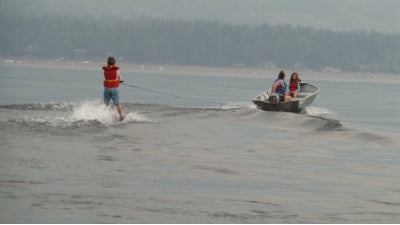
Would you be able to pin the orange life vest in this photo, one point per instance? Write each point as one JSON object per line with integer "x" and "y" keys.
{"x": 111, "y": 76}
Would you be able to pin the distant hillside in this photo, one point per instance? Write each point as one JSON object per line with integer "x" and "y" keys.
{"x": 348, "y": 15}
{"x": 201, "y": 43}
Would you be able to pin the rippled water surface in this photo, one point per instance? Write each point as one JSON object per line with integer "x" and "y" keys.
{"x": 66, "y": 158}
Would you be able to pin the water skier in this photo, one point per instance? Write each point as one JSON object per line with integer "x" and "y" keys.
{"x": 112, "y": 78}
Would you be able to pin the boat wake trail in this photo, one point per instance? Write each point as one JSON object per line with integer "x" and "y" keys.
{"x": 94, "y": 114}
{"x": 70, "y": 118}
{"x": 317, "y": 111}
{"x": 235, "y": 105}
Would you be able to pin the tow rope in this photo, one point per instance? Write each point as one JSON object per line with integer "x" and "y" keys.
{"x": 175, "y": 96}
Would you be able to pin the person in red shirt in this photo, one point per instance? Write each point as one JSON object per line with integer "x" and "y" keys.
{"x": 112, "y": 78}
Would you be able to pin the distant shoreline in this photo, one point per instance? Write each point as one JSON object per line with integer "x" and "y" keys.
{"x": 306, "y": 74}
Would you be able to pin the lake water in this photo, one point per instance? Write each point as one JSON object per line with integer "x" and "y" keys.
{"x": 178, "y": 158}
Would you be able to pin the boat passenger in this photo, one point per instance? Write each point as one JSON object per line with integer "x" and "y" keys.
{"x": 294, "y": 85}
{"x": 280, "y": 88}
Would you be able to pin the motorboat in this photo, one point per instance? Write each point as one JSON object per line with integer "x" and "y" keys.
{"x": 305, "y": 97}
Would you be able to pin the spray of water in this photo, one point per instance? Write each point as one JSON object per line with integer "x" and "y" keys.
{"x": 106, "y": 115}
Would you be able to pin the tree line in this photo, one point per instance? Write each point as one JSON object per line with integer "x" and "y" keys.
{"x": 203, "y": 43}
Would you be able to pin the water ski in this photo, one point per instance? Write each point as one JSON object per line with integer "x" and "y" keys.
{"x": 123, "y": 117}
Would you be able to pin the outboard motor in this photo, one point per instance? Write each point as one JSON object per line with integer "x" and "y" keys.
{"x": 274, "y": 98}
